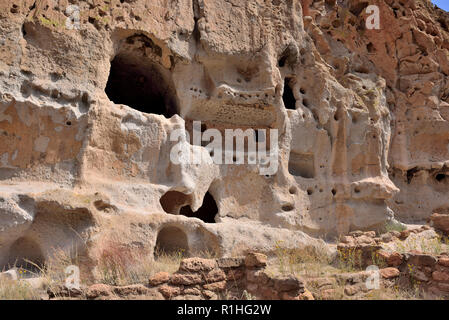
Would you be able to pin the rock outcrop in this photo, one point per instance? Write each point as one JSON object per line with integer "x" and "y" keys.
{"x": 91, "y": 93}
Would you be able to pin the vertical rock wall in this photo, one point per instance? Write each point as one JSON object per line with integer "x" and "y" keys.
{"x": 86, "y": 117}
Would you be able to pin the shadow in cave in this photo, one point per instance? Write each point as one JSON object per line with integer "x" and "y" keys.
{"x": 141, "y": 85}
{"x": 206, "y": 212}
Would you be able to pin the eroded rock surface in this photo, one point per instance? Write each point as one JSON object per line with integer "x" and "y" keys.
{"x": 86, "y": 116}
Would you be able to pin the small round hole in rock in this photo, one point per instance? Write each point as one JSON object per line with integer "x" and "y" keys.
{"x": 287, "y": 207}
{"x": 282, "y": 60}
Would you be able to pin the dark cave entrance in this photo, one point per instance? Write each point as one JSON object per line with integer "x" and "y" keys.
{"x": 206, "y": 212}
{"x": 288, "y": 97}
{"x": 175, "y": 202}
{"x": 142, "y": 85}
{"x": 25, "y": 253}
{"x": 441, "y": 177}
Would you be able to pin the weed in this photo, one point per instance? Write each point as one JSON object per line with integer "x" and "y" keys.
{"x": 394, "y": 226}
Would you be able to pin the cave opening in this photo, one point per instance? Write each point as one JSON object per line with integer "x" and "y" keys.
{"x": 206, "y": 212}
{"x": 175, "y": 202}
{"x": 288, "y": 97}
{"x": 411, "y": 174}
{"x": 141, "y": 84}
{"x": 301, "y": 165}
{"x": 25, "y": 253}
{"x": 171, "y": 240}
{"x": 440, "y": 177}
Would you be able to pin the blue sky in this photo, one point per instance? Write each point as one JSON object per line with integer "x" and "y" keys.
{"x": 443, "y": 4}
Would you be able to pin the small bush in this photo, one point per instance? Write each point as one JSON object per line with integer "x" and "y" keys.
{"x": 394, "y": 226}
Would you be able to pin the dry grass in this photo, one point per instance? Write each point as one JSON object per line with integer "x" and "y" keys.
{"x": 119, "y": 265}
{"x": 123, "y": 265}
{"x": 313, "y": 264}
{"x": 309, "y": 261}
{"x": 394, "y": 226}
{"x": 54, "y": 272}
{"x": 394, "y": 293}
{"x": 434, "y": 246}
{"x": 336, "y": 291}
{"x": 17, "y": 290}
{"x": 52, "y": 275}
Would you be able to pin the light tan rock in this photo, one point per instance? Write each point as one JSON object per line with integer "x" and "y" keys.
{"x": 255, "y": 259}
{"x": 389, "y": 273}
{"x": 444, "y": 261}
{"x": 86, "y": 117}
{"x": 441, "y": 221}
{"x": 9, "y": 275}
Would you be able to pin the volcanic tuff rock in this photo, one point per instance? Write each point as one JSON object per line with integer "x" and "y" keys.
{"x": 86, "y": 116}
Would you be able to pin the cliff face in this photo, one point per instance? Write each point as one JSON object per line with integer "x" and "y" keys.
{"x": 410, "y": 53}
{"x": 88, "y": 107}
